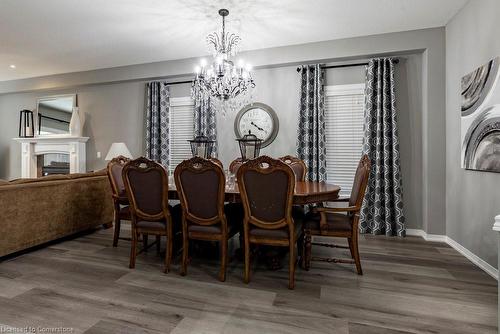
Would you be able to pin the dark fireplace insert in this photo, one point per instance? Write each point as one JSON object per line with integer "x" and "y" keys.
{"x": 52, "y": 163}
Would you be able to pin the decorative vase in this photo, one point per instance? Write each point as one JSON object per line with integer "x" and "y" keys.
{"x": 76, "y": 124}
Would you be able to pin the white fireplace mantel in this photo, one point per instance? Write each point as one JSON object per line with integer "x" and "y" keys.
{"x": 32, "y": 147}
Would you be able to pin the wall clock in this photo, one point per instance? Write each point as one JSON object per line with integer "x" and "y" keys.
{"x": 258, "y": 118}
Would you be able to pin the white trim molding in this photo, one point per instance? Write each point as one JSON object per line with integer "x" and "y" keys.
{"x": 427, "y": 237}
{"x": 34, "y": 146}
{"x": 489, "y": 269}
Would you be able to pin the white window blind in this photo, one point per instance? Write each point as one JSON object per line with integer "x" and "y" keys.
{"x": 344, "y": 111}
{"x": 181, "y": 130}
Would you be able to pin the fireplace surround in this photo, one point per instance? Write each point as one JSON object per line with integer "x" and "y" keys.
{"x": 32, "y": 148}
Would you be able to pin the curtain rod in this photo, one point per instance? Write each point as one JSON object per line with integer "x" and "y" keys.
{"x": 177, "y": 83}
{"x": 396, "y": 61}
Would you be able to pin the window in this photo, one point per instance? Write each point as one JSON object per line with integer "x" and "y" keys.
{"x": 344, "y": 119}
{"x": 181, "y": 130}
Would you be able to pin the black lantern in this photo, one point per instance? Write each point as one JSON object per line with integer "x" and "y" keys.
{"x": 26, "y": 125}
{"x": 201, "y": 146}
{"x": 249, "y": 146}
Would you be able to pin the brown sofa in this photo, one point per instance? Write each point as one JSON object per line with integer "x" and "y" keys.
{"x": 35, "y": 211}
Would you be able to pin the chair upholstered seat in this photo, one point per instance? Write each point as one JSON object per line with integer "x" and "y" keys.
{"x": 335, "y": 221}
{"x": 151, "y": 224}
{"x": 281, "y": 233}
{"x": 212, "y": 229}
{"x": 204, "y": 228}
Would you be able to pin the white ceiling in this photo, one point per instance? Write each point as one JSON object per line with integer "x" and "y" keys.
{"x": 60, "y": 36}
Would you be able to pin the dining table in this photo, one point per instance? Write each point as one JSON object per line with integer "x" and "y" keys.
{"x": 306, "y": 192}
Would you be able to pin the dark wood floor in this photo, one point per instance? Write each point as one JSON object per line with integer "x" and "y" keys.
{"x": 409, "y": 286}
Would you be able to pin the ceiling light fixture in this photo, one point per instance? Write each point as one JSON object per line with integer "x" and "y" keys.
{"x": 12, "y": 66}
{"x": 230, "y": 85}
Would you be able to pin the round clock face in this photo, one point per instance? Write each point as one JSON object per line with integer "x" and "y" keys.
{"x": 258, "y": 119}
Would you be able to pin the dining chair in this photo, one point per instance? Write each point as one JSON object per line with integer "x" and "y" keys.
{"x": 297, "y": 165}
{"x": 300, "y": 171}
{"x": 217, "y": 162}
{"x": 340, "y": 222}
{"x": 146, "y": 185}
{"x": 235, "y": 165}
{"x": 201, "y": 187}
{"x": 120, "y": 199}
{"x": 267, "y": 187}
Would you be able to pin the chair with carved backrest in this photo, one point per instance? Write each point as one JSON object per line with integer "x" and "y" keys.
{"x": 330, "y": 222}
{"x": 120, "y": 200}
{"x": 146, "y": 184}
{"x": 267, "y": 187}
{"x": 300, "y": 170}
{"x": 201, "y": 187}
{"x": 235, "y": 165}
{"x": 217, "y": 162}
{"x": 297, "y": 165}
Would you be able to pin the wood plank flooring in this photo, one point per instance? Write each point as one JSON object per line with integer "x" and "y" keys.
{"x": 84, "y": 284}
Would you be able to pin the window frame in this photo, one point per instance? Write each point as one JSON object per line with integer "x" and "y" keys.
{"x": 176, "y": 102}
{"x": 342, "y": 90}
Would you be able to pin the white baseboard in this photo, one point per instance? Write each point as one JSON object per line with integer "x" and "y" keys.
{"x": 427, "y": 237}
{"x": 489, "y": 269}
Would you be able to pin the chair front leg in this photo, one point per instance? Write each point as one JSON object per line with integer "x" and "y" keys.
{"x": 351, "y": 248}
{"x": 307, "y": 249}
{"x": 117, "y": 221}
{"x": 291, "y": 266}
{"x": 185, "y": 247}
{"x": 223, "y": 258}
{"x": 116, "y": 234}
{"x": 246, "y": 238}
{"x": 355, "y": 248}
{"x": 133, "y": 245}
{"x": 168, "y": 246}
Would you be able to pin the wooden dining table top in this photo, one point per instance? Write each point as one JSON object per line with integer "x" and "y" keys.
{"x": 306, "y": 192}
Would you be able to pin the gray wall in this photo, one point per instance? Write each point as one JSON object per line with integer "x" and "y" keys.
{"x": 472, "y": 197}
{"x": 113, "y": 102}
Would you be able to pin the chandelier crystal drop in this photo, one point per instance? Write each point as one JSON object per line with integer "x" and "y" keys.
{"x": 227, "y": 85}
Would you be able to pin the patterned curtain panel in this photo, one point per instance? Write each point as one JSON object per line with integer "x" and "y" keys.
{"x": 158, "y": 122}
{"x": 205, "y": 120}
{"x": 311, "y": 132}
{"x": 382, "y": 211}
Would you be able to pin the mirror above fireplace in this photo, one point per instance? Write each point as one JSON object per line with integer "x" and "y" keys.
{"x": 54, "y": 114}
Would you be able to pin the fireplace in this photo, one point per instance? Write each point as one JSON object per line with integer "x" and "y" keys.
{"x": 52, "y": 163}
{"x": 42, "y": 156}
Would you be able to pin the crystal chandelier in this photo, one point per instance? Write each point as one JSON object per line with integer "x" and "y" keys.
{"x": 223, "y": 81}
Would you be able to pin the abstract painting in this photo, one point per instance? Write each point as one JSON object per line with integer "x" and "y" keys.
{"x": 481, "y": 118}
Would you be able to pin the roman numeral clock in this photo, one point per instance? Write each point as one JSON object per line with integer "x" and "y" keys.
{"x": 258, "y": 119}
